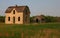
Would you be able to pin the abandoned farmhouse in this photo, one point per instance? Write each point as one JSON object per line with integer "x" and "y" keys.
{"x": 17, "y": 15}
{"x": 21, "y": 15}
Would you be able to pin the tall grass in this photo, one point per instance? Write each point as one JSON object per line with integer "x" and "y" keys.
{"x": 16, "y": 30}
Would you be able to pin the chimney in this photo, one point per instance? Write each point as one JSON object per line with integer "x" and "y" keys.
{"x": 16, "y": 5}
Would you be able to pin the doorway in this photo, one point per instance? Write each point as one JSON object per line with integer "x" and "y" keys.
{"x": 37, "y": 20}
{"x": 13, "y": 19}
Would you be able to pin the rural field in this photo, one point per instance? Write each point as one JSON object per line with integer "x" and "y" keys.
{"x": 42, "y": 30}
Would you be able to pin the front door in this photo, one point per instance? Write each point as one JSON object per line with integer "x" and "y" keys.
{"x": 13, "y": 19}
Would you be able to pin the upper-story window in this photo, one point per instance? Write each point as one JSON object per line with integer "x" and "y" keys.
{"x": 13, "y": 11}
{"x": 26, "y": 11}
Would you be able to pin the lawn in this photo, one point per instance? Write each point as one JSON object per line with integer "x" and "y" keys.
{"x": 42, "y": 30}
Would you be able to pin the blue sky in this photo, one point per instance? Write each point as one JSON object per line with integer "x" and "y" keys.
{"x": 37, "y": 7}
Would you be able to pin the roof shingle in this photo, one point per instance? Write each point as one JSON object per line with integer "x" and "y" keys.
{"x": 17, "y": 8}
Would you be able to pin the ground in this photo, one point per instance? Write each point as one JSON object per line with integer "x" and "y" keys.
{"x": 42, "y": 30}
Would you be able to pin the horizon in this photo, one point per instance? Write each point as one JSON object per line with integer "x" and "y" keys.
{"x": 37, "y": 7}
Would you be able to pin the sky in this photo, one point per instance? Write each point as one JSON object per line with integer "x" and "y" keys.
{"x": 37, "y": 7}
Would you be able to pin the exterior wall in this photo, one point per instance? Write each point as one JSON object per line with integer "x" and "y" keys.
{"x": 26, "y": 14}
{"x": 26, "y": 20}
{"x": 16, "y": 15}
{"x": 37, "y": 18}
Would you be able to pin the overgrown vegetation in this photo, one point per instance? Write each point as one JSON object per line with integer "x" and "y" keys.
{"x": 2, "y": 19}
{"x": 31, "y": 30}
{"x": 47, "y": 19}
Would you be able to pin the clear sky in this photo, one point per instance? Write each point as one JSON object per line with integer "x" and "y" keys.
{"x": 37, "y": 7}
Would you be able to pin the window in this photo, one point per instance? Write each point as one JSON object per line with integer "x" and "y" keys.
{"x": 26, "y": 12}
{"x": 13, "y": 19}
{"x": 13, "y": 11}
{"x": 26, "y": 18}
{"x": 18, "y": 18}
{"x": 8, "y": 18}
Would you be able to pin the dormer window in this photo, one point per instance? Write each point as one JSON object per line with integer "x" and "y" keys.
{"x": 13, "y": 11}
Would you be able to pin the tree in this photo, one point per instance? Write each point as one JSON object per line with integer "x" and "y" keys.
{"x": 2, "y": 18}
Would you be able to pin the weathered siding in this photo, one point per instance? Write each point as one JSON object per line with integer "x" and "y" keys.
{"x": 16, "y": 15}
{"x": 26, "y": 20}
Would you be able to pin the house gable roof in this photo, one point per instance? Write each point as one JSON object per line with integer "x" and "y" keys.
{"x": 17, "y": 8}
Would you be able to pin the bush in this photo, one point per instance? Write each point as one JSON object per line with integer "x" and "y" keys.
{"x": 2, "y": 19}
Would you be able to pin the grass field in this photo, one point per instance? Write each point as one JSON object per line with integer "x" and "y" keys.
{"x": 43, "y": 30}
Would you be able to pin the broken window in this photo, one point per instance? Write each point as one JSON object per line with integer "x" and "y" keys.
{"x": 8, "y": 18}
{"x": 18, "y": 18}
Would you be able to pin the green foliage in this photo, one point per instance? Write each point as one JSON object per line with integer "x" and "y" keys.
{"x": 47, "y": 19}
{"x": 52, "y": 19}
{"x": 31, "y": 19}
{"x": 2, "y": 19}
{"x": 15, "y": 30}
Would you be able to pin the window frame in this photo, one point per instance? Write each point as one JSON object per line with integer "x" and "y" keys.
{"x": 26, "y": 12}
{"x": 8, "y": 18}
{"x": 13, "y": 11}
{"x": 18, "y": 18}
